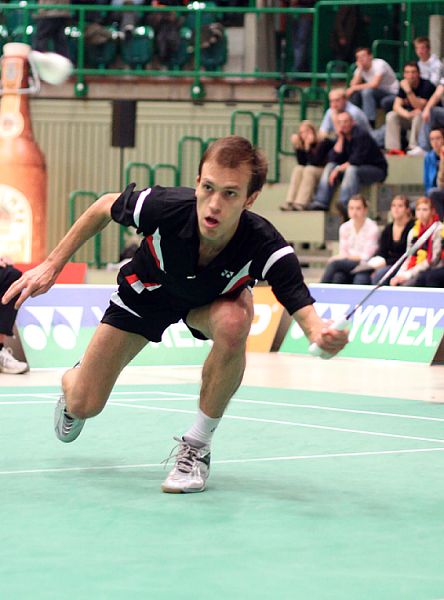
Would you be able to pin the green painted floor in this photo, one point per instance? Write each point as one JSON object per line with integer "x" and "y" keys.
{"x": 310, "y": 497}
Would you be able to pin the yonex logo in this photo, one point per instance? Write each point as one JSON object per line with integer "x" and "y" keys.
{"x": 227, "y": 274}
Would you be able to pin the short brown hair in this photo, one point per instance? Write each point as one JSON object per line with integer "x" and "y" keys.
{"x": 359, "y": 198}
{"x": 404, "y": 199}
{"x": 231, "y": 152}
{"x": 363, "y": 49}
{"x": 411, "y": 63}
{"x": 422, "y": 40}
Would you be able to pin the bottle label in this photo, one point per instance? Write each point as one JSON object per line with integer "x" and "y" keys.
{"x": 15, "y": 224}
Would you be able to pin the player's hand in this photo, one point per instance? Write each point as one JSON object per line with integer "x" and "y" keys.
{"x": 331, "y": 341}
{"x": 32, "y": 283}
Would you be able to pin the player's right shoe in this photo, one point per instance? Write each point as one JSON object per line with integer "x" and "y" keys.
{"x": 9, "y": 364}
{"x": 190, "y": 471}
{"x": 67, "y": 428}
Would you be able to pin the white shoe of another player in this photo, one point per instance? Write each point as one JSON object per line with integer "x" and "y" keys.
{"x": 66, "y": 427}
{"x": 9, "y": 364}
{"x": 191, "y": 470}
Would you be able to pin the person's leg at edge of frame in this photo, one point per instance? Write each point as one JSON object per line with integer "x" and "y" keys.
{"x": 295, "y": 182}
{"x": 86, "y": 387}
{"x": 227, "y": 322}
{"x": 324, "y": 193}
{"x": 310, "y": 179}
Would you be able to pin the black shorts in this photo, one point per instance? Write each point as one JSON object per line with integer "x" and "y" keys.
{"x": 152, "y": 328}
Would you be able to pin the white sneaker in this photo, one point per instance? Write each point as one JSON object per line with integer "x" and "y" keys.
{"x": 67, "y": 428}
{"x": 9, "y": 364}
{"x": 191, "y": 470}
{"x": 415, "y": 151}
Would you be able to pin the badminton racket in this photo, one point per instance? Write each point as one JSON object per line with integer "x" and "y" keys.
{"x": 343, "y": 321}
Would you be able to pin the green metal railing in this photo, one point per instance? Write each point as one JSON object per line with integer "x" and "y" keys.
{"x": 255, "y": 132}
{"x": 200, "y": 10}
{"x": 91, "y": 197}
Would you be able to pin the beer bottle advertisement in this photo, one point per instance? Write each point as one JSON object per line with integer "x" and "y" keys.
{"x": 23, "y": 178}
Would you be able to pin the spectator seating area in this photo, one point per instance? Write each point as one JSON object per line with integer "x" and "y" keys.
{"x": 154, "y": 41}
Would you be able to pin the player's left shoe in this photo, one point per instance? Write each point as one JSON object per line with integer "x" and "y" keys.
{"x": 190, "y": 471}
{"x": 67, "y": 428}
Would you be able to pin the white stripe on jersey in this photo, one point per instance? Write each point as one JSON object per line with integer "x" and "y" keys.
{"x": 157, "y": 248}
{"x": 139, "y": 204}
{"x": 118, "y": 300}
{"x": 242, "y": 273}
{"x": 275, "y": 257}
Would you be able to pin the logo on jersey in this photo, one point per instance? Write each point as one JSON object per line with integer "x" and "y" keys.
{"x": 227, "y": 274}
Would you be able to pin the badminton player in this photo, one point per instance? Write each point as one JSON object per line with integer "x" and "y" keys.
{"x": 201, "y": 252}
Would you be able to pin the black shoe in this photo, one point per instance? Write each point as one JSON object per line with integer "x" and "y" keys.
{"x": 316, "y": 206}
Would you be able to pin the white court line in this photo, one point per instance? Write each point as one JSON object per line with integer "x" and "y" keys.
{"x": 171, "y": 396}
{"x": 291, "y": 405}
{"x": 291, "y": 423}
{"x": 346, "y": 410}
{"x": 47, "y": 395}
{"x": 22, "y": 402}
{"x": 221, "y": 462}
{"x": 178, "y": 396}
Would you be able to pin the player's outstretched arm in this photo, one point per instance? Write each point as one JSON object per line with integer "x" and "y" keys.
{"x": 317, "y": 331}
{"x": 40, "y": 279}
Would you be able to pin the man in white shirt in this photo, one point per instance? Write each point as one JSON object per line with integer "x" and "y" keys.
{"x": 430, "y": 67}
{"x": 339, "y": 104}
{"x": 374, "y": 84}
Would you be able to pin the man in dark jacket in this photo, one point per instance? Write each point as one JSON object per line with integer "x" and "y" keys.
{"x": 354, "y": 160}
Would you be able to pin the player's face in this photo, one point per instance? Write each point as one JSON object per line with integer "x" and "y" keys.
{"x": 222, "y": 196}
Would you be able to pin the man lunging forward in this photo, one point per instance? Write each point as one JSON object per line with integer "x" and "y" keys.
{"x": 202, "y": 251}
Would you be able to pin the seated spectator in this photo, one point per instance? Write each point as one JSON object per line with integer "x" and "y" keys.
{"x": 127, "y": 20}
{"x": 374, "y": 84}
{"x": 338, "y": 104}
{"x": 346, "y": 30}
{"x": 166, "y": 26}
{"x": 311, "y": 153}
{"x": 393, "y": 240}
{"x": 430, "y": 67}
{"x": 354, "y": 160}
{"x": 358, "y": 241}
{"x": 434, "y": 171}
{"x": 432, "y": 115}
{"x": 407, "y": 110}
{"x": 431, "y": 252}
{"x": 301, "y": 34}
{"x": 8, "y": 364}
{"x": 51, "y": 23}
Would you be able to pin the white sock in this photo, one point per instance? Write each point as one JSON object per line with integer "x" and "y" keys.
{"x": 201, "y": 432}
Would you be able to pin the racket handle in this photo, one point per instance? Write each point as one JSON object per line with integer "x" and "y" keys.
{"x": 315, "y": 350}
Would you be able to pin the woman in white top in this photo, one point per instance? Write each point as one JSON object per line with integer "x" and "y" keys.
{"x": 358, "y": 241}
